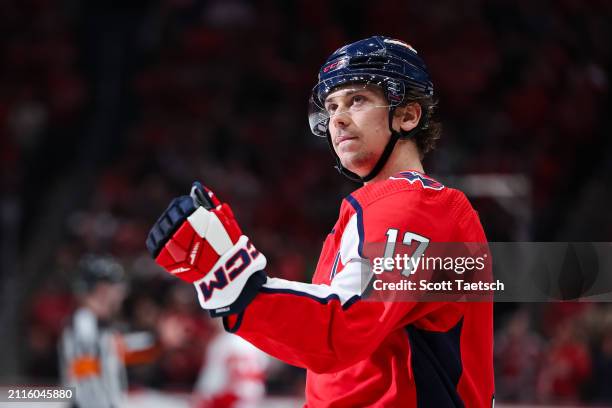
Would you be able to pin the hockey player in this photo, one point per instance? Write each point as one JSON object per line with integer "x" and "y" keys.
{"x": 90, "y": 349}
{"x": 93, "y": 353}
{"x": 373, "y": 103}
{"x": 233, "y": 375}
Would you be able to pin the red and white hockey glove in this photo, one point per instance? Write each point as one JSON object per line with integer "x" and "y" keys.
{"x": 198, "y": 240}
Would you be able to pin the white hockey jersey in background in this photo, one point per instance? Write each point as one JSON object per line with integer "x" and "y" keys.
{"x": 233, "y": 374}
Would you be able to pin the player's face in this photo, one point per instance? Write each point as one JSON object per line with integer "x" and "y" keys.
{"x": 111, "y": 296}
{"x": 358, "y": 125}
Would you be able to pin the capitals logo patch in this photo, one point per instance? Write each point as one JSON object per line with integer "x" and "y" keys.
{"x": 414, "y": 176}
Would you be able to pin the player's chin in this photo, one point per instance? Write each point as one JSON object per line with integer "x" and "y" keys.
{"x": 355, "y": 162}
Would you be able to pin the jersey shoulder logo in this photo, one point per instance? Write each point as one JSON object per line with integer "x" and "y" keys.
{"x": 414, "y": 176}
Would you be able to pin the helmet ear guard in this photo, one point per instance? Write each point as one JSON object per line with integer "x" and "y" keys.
{"x": 390, "y": 64}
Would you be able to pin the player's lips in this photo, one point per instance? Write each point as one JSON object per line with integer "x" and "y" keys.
{"x": 344, "y": 138}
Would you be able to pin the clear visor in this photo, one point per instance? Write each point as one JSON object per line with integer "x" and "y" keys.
{"x": 345, "y": 97}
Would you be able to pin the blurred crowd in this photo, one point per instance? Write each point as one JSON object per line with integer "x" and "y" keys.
{"x": 558, "y": 353}
{"x": 217, "y": 90}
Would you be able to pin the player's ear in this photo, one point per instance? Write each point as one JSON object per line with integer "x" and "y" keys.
{"x": 409, "y": 116}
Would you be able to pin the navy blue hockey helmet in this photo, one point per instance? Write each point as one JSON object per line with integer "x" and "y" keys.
{"x": 389, "y": 63}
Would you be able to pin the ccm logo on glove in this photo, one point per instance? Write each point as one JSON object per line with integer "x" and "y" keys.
{"x": 226, "y": 273}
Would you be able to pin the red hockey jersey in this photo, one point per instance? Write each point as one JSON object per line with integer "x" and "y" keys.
{"x": 361, "y": 353}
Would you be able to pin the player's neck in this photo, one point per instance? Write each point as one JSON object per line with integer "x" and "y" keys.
{"x": 404, "y": 157}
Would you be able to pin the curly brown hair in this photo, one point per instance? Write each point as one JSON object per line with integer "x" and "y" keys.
{"x": 431, "y": 128}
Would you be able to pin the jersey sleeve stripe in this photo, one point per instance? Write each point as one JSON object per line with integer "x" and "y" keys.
{"x": 320, "y": 300}
{"x": 321, "y": 293}
{"x": 335, "y": 266}
{"x": 357, "y": 207}
{"x": 347, "y": 288}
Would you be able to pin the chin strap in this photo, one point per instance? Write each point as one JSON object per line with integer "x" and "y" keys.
{"x": 395, "y": 136}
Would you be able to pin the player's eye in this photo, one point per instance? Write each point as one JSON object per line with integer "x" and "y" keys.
{"x": 331, "y": 108}
{"x": 358, "y": 99}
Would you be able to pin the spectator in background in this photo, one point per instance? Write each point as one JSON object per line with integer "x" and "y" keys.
{"x": 183, "y": 334}
{"x": 49, "y": 308}
{"x": 566, "y": 367}
{"x": 517, "y": 355}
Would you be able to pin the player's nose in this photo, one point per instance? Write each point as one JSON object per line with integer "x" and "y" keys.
{"x": 340, "y": 120}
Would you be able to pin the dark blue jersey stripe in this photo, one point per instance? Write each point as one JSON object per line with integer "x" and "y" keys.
{"x": 437, "y": 367}
{"x": 335, "y": 266}
{"x": 357, "y": 207}
{"x": 323, "y": 301}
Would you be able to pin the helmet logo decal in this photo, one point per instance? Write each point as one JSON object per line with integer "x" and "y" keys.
{"x": 340, "y": 63}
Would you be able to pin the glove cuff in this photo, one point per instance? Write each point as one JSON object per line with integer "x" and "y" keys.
{"x": 250, "y": 290}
